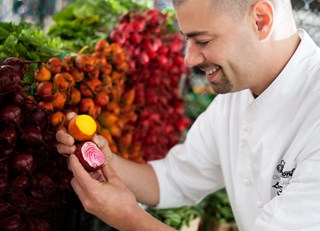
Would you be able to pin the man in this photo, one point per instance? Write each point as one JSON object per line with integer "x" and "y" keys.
{"x": 259, "y": 138}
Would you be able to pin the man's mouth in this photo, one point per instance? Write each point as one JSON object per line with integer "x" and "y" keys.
{"x": 212, "y": 71}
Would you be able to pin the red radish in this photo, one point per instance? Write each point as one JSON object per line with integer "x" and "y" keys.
{"x": 90, "y": 156}
{"x": 23, "y": 162}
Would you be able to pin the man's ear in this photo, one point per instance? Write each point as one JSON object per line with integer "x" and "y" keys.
{"x": 264, "y": 17}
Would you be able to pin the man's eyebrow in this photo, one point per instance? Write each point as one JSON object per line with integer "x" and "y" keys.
{"x": 194, "y": 33}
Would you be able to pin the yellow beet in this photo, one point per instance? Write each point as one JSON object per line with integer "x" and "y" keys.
{"x": 82, "y": 127}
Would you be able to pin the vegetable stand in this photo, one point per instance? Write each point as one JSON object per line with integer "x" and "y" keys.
{"x": 127, "y": 75}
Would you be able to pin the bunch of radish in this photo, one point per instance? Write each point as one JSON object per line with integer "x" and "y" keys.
{"x": 156, "y": 69}
{"x": 33, "y": 178}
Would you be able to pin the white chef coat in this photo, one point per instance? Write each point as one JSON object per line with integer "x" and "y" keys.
{"x": 264, "y": 151}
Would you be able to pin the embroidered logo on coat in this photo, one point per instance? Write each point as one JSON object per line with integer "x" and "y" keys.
{"x": 284, "y": 177}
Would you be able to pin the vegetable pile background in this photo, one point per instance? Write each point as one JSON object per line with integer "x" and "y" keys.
{"x": 127, "y": 78}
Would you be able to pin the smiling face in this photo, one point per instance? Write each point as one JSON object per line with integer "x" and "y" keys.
{"x": 221, "y": 42}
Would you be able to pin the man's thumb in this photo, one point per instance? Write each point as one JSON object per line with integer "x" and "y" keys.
{"x": 108, "y": 172}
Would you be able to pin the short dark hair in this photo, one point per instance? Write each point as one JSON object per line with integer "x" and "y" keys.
{"x": 237, "y": 7}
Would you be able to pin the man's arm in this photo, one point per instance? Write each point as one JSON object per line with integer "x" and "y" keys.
{"x": 109, "y": 199}
{"x": 139, "y": 178}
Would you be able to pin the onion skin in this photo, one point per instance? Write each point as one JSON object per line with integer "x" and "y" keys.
{"x": 90, "y": 156}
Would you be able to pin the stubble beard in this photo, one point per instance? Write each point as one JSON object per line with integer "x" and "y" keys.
{"x": 222, "y": 87}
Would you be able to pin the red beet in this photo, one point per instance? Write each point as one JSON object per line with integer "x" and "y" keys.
{"x": 23, "y": 162}
{"x": 41, "y": 181}
{"x": 4, "y": 168}
{"x": 18, "y": 199}
{"x": 38, "y": 116}
{"x": 20, "y": 96}
{"x": 9, "y": 79}
{"x": 11, "y": 223}
{"x": 4, "y": 207}
{"x": 21, "y": 182}
{"x": 8, "y": 136}
{"x": 18, "y": 64}
{"x": 11, "y": 114}
{"x": 90, "y": 155}
{"x": 6, "y": 151}
{"x": 39, "y": 225}
{"x": 31, "y": 135}
{"x": 4, "y": 184}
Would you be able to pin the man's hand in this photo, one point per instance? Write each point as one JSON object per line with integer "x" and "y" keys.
{"x": 103, "y": 194}
{"x": 66, "y": 145}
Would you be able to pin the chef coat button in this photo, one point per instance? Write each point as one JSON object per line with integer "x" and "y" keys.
{"x": 247, "y": 182}
{"x": 260, "y": 204}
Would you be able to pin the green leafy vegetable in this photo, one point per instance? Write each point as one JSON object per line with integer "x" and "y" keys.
{"x": 176, "y": 217}
{"x": 84, "y": 22}
{"x": 29, "y": 41}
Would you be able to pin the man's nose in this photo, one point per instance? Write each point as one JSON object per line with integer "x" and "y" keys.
{"x": 193, "y": 56}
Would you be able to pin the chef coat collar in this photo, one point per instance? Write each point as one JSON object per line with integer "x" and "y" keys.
{"x": 288, "y": 83}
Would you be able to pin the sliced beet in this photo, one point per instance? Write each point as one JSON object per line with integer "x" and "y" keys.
{"x": 90, "y": 156}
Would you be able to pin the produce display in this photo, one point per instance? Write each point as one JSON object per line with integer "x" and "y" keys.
{"x": 125, "y": 87}
{"x": 91, "y": 17}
